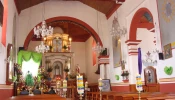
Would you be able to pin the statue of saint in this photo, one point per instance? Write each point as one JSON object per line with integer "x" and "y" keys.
{"x": 77, "y": 69}
{"x": 29, "y": 79}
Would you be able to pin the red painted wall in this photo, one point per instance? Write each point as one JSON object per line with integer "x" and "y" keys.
{"x": 168, "y": 87}
{"x": 120, "y": 88}
{"x": 5, "y": 93}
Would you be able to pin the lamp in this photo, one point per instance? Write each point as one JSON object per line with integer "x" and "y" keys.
{"x": 42, "y": 48}
{"x": 98, "y": 48}
{"x": 43, "y": 30}
{"x": 117, "y": 31}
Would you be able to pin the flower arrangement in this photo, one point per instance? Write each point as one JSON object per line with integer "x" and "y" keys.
{"x": 49, "y": 69}
{"x": 66, "y": 70}
{"x": 18, "y": 69}
{"x": 125, "y": 73}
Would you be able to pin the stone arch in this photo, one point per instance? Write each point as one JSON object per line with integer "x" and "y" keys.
{"x": 135, "y": 23}
{"x": 93, "y": 33}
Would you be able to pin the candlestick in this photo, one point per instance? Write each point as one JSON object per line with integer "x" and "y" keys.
{"x": 65, "y": 87}
{"x": 80, "y": 85}
{"x": 139, "y": 85}
{"x": 58, "y": 87}
{"x": 86, "y": 89}
{"x": 100, "y": 86}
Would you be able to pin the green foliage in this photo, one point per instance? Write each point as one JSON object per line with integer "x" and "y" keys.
{"x": 117, "y": 77}
{"x": 168, "y": 70}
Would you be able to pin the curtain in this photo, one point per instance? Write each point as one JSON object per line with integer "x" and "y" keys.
{"x": 27, "y": 55}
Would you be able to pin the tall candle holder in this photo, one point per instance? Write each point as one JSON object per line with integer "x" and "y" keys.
{"x": 86, "y": 89}
{"x": 100, "y": 86}
{"x": 58, "y": 87}
{"x": 80, "y": 86}
{"x": 64, "y": 88}
{"x": 139, "y": 85}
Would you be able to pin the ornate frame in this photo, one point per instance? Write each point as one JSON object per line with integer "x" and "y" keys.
{"x": 8, "y": 80}
{"x": 150, "y": 75}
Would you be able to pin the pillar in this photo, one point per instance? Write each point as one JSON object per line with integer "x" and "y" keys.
{"x": 132, "y": 59}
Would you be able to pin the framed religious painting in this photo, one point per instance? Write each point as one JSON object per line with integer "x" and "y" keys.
{"x": 106, "y": 85}
{"x": 9, "y": 64}
{"x": 150, "y": 75}
{"x": 167, "y": 51}
{"x": 117, "y": 56}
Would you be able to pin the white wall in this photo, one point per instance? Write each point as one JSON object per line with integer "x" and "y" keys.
{"x": 90, "y": 69}
{"x": 79, "y": 57}
{"x": 125, "y": 15}
{"x": 30, "y": 17}
{"x": 9, "y": 30}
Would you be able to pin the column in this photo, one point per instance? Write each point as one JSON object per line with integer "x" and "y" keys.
{"x": 103, "y": 61}
{"x": 132, "y": 59}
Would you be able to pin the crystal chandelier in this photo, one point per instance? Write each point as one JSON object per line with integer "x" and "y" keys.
{"x": 117, "y": 31}
{"x": 98, "y": 48}
{"x": 43, "y": 30}
{"x": 42, "y": 48}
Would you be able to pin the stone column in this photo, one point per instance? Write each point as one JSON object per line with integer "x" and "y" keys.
{"x": 132, "y": 59}
{"x": 103, "y": 61}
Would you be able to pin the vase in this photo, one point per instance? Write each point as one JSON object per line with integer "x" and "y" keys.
{"x": 126, "y": 81}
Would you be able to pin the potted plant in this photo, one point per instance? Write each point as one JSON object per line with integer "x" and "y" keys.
{"x": 125, "y": 75}
{"x": 64, "y": 47}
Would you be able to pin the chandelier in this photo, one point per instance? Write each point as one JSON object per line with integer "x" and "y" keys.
{"x": 117, "y": 31}
{"x": 43, "y": 30}
{"x": 98, "y": 48}
{"x": 42, "y": 48}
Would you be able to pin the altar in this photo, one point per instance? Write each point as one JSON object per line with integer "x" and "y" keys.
{"x": 57, "y": 62}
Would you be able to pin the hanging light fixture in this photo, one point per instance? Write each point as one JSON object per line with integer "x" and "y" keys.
{"x": 98, "y": 48}
{"x": 43, "y": 30}
{"x": 42, "y": 48}
{"x": 117, "y": 31}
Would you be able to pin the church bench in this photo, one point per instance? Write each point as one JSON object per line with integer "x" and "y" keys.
{"x": 37, "y": 97}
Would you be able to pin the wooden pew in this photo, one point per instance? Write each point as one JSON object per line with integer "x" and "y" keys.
{"x": 39, "y": 97}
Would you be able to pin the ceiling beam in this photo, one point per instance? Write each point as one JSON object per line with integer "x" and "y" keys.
{"x": 114, "y": 8}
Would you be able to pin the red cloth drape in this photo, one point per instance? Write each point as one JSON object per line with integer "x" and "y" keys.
{"x": 94, "y": 53}
{"x": 4, "y": 26}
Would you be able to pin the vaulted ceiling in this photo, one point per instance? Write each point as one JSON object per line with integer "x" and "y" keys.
{"x": 77, "y": 32}
{"x": 105, "y": 6}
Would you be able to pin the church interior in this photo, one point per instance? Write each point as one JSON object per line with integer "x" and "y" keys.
{"x": 87, "y": 49}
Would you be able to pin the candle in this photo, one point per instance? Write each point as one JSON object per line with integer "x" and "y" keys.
{"x": 64, "y": 84}
{"x": 58, "y": 84}
{"x": 80, "y": 84}
{"x": 86, "y": 84}
{"x": 100, "y": 84}
{"x": 139, "y": 83}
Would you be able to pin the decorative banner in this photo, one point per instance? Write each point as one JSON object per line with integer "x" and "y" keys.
{"x": 168, "y": 70}
{"x": 80, "y": 84}
{"x": 139, "y": 61}
{"x": 117, "y": 77}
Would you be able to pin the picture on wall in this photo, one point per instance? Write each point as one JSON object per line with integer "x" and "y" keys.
{"x": 167, "y": 51}
{"x": 166, "y": 10}
{"x": 106, "y": 85}
{"x": 116, "y": 51}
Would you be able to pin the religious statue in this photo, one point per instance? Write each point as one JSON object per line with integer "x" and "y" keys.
{"x": 77, "y": 68}
{"x": 149, "y": 77}
{"x": 29, "y": 79}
